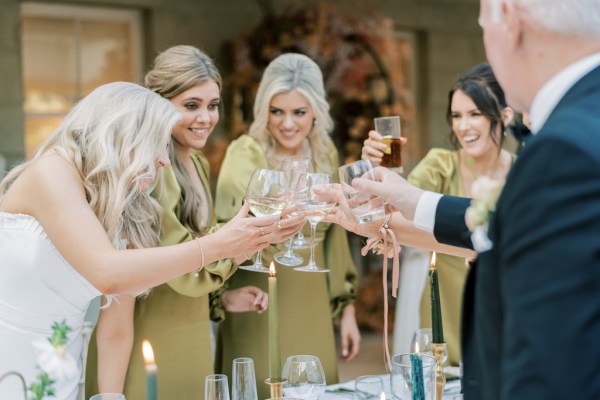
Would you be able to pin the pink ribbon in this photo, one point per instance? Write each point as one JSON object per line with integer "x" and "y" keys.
{"x": 374, "y": 244}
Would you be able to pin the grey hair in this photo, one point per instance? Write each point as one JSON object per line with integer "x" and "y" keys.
{"x": 175, "y": 70}
{"x": 113, "y": 136}
{"x": 568, "y": 17}
{"x": 288, "y": 72}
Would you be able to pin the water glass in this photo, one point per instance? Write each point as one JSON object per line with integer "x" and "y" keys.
{"x": 368, "y": 387}
{"x": 244, "y": 379}
{"x": 216, "y": 387}
{"x": 401, "y": 377}
{"x": 389, "y": 128}
{"x": 305, "y": 377}
{"x": 108, "y": 396}
{"x": 364, "y": 207}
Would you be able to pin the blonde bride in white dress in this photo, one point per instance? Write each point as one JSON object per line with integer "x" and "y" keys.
{"x": 64, "y": 213}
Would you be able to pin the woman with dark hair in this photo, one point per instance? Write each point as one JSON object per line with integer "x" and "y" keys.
{"x": 478, "y": 116}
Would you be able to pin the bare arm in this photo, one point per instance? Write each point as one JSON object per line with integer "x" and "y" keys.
{"x": 52, "y": 191}
{"x": 114, "y": 338}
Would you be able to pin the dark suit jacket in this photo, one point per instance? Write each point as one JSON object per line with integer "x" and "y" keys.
{"x": 531, "y": 313}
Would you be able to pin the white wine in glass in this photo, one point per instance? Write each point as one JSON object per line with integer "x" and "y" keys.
{"x": 295, "y": 169}
{"x": 266, "y": 195}
{"x": 314, "y": 210}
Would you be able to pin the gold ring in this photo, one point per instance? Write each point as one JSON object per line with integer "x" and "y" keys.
{"x": 262, "y": 231}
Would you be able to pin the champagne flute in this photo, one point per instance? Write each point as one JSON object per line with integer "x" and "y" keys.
{"x": 266, "y": 194}
{"x": 295, "y": 169}
{"x": 305, "y": 377}
{"x": 315, "y": 211}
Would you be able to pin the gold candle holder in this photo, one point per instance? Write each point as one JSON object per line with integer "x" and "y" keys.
{"x": 276, "y": 387}
{"x": 439, "y": 352}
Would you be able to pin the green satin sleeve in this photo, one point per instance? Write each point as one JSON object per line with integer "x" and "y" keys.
{"x": 168, "y": 194}
{"x": 243, "y": 156}
{"x": 438, "y": 172}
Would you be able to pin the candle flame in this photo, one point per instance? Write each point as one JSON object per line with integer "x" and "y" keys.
{"x": 272, "y": 270}
{"x": 417, "y": 350}
{"x": 432, "y": 263}
{"x": 148, "y": 353}
{"x": 382, "y": 397}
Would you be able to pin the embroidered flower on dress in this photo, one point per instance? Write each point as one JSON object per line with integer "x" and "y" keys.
{"x": 54, "y": 361}
{"x": 485, "y": 192}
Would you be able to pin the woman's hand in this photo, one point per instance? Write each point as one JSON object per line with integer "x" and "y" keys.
{"x": 349, "y": 334}
{"x": 342, "y": 215}
{"x": 373, "y": 148}
{"x": 244, "y": 299}
{"x": 243, "y": 236}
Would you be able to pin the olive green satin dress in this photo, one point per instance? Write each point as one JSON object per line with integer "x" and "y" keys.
{"x": 175, "y": 316}
{"x": 439, "y": 171}
{"x": 308, "y": 302}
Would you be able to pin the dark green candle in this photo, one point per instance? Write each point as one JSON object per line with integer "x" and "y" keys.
{"x": 436, "y": 309}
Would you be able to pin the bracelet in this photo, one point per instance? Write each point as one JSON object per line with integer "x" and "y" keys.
{"x": 197, "y": 273}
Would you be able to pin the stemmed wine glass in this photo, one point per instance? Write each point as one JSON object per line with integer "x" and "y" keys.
{"x": 314, "y": 210}
{"x": 305, "y": 377}
{"x": 295, "y": 169}
{"x": 267, "y": 195}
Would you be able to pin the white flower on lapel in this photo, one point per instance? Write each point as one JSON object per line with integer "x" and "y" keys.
{"x": 485, "y": 192}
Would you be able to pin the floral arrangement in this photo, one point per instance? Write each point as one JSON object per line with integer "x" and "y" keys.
{"x": 485, "y": 192}
{"x": 54, "y": 361}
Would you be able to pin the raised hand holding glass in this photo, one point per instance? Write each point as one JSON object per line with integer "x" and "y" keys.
{"x": 314, "y": 210}
{"x": 266, "y": 195}
{"x": 295, "y": 169}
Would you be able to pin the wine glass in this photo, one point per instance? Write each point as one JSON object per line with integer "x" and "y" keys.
{"x": 305, "y": 377}
{"x": 314, "y": 211}
{"x": 244, "y": 379}
{"x": 422, "y": 343}
{"x": 295, "y": 169}
{"x": 266, "y": 194}
{"x": 108, "y": 396}
{"x": 368, "y": 387}
{"x": 216, "y": 387}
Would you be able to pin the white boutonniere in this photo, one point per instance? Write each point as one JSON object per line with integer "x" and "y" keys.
{"x": 485, "y": 192}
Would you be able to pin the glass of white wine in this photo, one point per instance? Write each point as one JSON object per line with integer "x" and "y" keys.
{"x": 295, "y": 169}
{"x": 267, "y": 195}
{"x": 314, "y": 210}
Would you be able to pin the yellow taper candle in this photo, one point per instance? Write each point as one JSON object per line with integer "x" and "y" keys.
{"x": 274, "y": 346}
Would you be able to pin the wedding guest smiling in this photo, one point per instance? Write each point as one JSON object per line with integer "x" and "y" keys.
{"x": 478, "y": 116}
{"x": 175, "y": 316}
{"x": 291, "y": 118}
{"x": 77, "y": 221}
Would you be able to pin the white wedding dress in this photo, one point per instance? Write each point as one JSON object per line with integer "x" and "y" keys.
{"x": 37, "y": 288}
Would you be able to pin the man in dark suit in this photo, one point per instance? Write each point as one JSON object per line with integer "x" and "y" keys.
{"x": 531, "y": 323}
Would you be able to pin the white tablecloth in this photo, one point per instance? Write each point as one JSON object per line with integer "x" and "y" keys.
{"x": 345, "y": 390}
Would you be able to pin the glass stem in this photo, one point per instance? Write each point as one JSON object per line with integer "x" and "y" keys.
{"x": 258, "y": 263}
{"x": 290, "y": 246}
{"x": 313, "y": 232}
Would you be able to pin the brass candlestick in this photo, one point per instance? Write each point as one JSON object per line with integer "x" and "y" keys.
{"x": 439, "y": 352}
{"x": 276, "y": 387}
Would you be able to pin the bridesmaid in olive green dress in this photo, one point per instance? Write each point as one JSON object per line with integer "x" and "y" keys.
{"x": 478, "y": 114}
{"x": 175, "y": 316}
{"x": 291, "y": 118}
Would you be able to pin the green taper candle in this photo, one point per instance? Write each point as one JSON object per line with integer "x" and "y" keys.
{"x": 274, "y": 346}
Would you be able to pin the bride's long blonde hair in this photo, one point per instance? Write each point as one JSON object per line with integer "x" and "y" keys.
{"x": 113, "y": 137}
